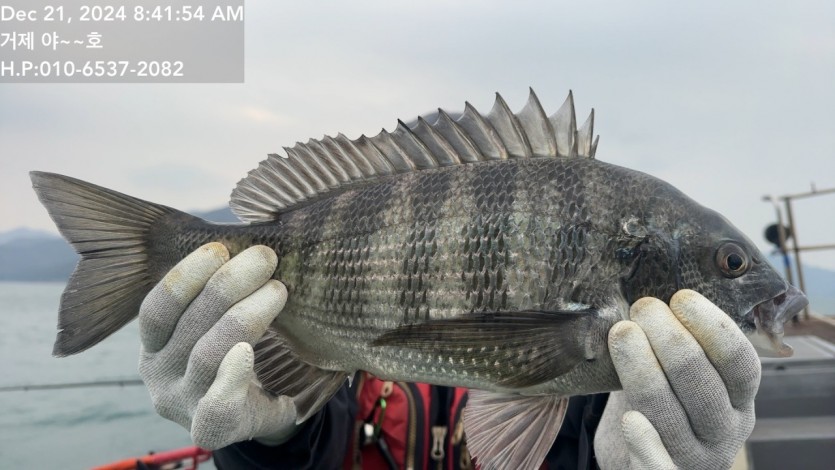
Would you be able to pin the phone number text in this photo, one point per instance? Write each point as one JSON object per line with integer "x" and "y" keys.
{"x": 92, "y": 68}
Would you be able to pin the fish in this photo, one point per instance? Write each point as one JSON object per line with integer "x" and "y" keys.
{"x": 492, "y": 252}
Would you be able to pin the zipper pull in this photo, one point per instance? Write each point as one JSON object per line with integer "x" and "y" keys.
{"x": 438, "y": 436}
{"x": 370, "y": 430}
{"x": 458, "y": 434}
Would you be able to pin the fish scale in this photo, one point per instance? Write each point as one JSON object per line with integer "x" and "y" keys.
{"x": 491, "y": 252}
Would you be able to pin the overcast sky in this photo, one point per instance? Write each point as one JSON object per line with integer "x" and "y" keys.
{"x": 728, "y": 101}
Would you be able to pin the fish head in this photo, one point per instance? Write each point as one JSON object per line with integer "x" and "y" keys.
{"x": 722, "y": 264}
{"x": 688, "y": 246}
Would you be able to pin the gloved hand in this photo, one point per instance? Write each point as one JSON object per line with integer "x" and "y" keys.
{"x": 689, "y": 379}
{"x": 198, "y": 326}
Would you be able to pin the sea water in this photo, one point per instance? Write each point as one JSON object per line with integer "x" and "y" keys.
{"x": 70, "y": 428}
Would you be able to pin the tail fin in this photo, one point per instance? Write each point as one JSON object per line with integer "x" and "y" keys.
{"x": 110, "y": 231}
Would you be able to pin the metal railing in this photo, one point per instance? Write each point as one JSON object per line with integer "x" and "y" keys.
{"x": 783, "y": 236}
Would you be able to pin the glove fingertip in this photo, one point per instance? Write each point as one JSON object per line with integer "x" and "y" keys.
{"x": 257, "y": 311}
{"x": 632, "y": 418}
{"x": 185, "y": 280}
{"x": 195, "y": 269}
{"x": 245, "y": 273}
{"x": 643, "y": 304}
{"x": 273, "y": 419}
{"x": 622, "y": 332}
{"x": 703, "y": 318}
{"x": 215, "y": 249}
{"x": 690, "y": 306}
{"x": 638, "y": 431}
{"x": 279, "y": 291}
{"x": 646, "y": 450}
{"x": 266, "y": 253}
{"x": 686, "y": 296}
{"x": 235, "y": 368}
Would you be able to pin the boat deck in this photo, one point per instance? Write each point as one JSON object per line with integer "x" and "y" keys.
{"x": 821, "y": 327}
{"x": 796, "y": 403}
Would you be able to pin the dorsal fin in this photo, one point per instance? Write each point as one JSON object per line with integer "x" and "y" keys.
{"x": 323, "y": 167}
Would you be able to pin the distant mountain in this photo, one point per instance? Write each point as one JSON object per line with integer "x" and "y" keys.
{"x": 32, "y": 255}
{"x": 820, "y": 288}
{"x": 224, "y": 215}
{"x": 25, "y": 234}
{"x": 36, "y": 259}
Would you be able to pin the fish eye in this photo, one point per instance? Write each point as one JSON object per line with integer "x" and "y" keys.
{"x": 732, "y": 260}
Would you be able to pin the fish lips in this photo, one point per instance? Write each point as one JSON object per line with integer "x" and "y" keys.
{"x": 769, "y": 318}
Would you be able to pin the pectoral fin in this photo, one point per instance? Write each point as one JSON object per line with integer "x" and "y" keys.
{"x": 513, "y": 349}
{"x": 511, "y": 431}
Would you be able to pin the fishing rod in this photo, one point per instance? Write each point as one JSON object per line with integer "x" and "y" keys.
{"x": 58, "y": 386}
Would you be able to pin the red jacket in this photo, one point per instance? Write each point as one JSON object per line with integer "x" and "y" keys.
{"x": 413, "y": 426}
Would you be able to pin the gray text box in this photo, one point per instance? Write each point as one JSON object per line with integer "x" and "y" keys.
{"x": 70, "y": 41}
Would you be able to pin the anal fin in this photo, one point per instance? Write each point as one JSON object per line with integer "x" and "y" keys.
{"x": 512, "y": 431}
{"x": 282, "y": 372}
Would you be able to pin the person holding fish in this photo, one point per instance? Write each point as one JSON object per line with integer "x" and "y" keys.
{"x": 689, "y": 378}
{"x": 491, "y": 255}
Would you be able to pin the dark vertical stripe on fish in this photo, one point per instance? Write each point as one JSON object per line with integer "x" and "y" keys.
{"x": 567, "y": 243}
{"x": 492, "y": 187}
{"x": 345, "y": 274}
{"x": 427, "y": 199}
{"x": 305, "y": 229}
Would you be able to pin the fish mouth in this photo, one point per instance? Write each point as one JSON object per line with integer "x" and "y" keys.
{"x": 769, "y": 318}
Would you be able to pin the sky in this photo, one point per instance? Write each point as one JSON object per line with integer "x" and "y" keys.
{"x": 728, "y": 101}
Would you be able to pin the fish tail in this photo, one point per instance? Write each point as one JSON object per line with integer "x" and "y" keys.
{"x": 114, "y": 234}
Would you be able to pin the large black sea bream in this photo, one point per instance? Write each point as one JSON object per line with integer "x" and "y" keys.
{"x": 491, "y": 252}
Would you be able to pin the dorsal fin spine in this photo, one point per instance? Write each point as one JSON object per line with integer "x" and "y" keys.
{"x": 260, "y": 181}
{"x": 264, "y": 202}
{"x": 483, "y": 134}
{"x": 379, "y": 161}
{"x": 335, "y": 166}
{"x": 384, "y": 142}
{"x": 444, "y": 153}
{"x": 288, "y": 175}
{"x": 297, "y": 157}
{"x": 315, "y": 166}
{"x": 537, "y": 127}
{"x": 265, "y": 179}
{"x": 564, "y": 123}
{"x": 585, "y": 135}
{"x": 456, "y": 136}
{"x": 272, "y": 170}
{"x": 346, "y": 148}
{"x": 509, "y": 129}
{"x": 412, "y": 145}
{"x": 594, "y": 147}
{"x": 306, "y": 178}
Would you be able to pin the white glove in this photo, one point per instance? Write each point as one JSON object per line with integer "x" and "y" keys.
{"x": 198, "y": 326}
{"x": 689, "y": 379}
